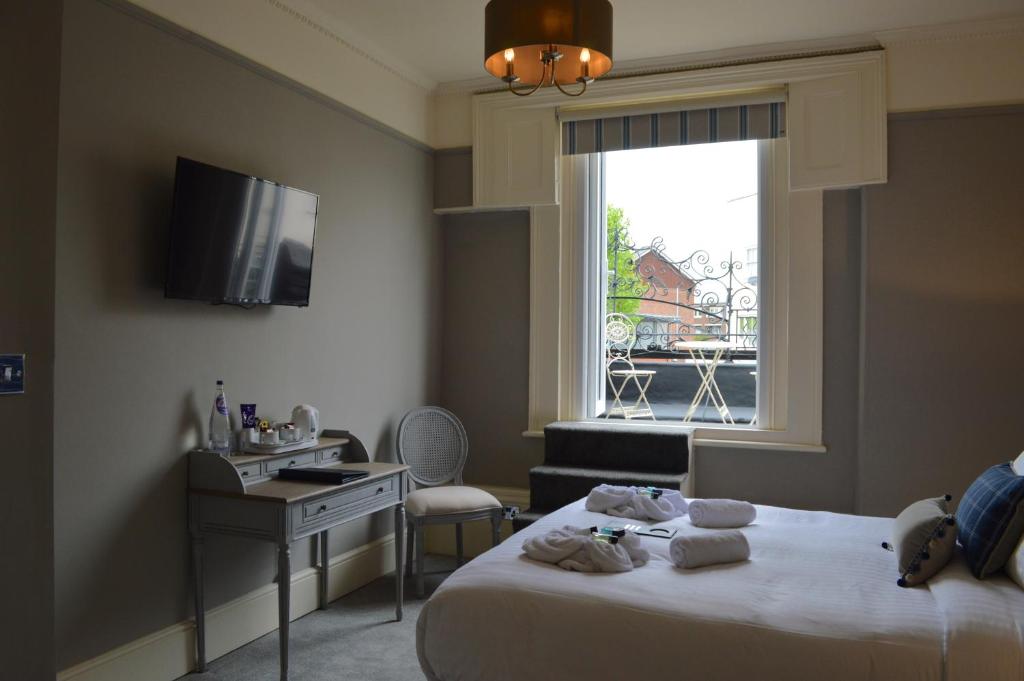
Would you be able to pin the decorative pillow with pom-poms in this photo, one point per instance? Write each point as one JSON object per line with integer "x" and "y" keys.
{"x": 924, "y": 538}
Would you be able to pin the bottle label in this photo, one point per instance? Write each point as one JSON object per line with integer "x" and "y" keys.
{"x": 222, "y": 405}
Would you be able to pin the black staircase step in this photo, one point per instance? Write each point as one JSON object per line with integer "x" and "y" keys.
{"x": 552, "y": 487}
{"x": 592, "y": 444}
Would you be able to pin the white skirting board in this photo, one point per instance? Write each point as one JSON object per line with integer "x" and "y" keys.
{"x": 170, "y": 653}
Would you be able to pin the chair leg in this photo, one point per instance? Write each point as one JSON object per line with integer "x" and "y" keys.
{"x": 496, "y": 528}
{"x": 458, "y": 544}
{"x": 420, "y": 551}
{"x": 410, "y": 531}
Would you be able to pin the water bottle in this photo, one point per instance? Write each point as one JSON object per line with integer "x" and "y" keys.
{"x": 220, "y": 424}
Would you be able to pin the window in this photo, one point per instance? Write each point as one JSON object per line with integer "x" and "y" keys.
{"x": 681, "y": 229}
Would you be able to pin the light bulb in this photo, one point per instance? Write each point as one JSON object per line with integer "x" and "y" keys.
{"x": 584, "y": 55}
{"x": 510, "y": 55}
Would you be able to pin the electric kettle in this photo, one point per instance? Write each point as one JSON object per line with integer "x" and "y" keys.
{"x": 307, "y": 422}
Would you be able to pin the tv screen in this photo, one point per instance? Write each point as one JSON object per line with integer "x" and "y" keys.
{"x": 239, "y": 239}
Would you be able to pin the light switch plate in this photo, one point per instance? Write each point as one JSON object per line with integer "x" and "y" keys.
{"x": 12, "y": 374}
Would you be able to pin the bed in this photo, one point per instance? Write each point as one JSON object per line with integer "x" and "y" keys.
{"x": 817, "y": 600}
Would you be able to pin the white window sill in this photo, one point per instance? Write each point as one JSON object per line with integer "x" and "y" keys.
{"x": 718, "y": 436}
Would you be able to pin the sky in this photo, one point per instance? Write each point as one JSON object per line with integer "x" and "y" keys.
{"x": 699, "y": 196}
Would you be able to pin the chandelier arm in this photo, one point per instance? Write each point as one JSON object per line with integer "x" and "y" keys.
{"x": 527, "y": 93}
{"x": 570, "y": 94}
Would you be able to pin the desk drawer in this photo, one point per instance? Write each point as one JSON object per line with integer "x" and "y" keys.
{"x": 249, "y": 472}
{"x": 331, "y": 455}
{"x": 303, "y": 459}
{"x": 378, "y": 492}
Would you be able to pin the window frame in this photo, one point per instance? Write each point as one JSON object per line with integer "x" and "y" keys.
{"x": 790, "y": 315}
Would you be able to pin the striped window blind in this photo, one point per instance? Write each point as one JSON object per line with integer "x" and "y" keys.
{"x": 666, "y": 129}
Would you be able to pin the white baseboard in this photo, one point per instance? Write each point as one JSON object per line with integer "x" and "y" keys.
{"x": 170, "y": 653}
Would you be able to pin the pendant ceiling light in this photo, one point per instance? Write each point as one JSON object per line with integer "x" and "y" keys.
{"x": 539, "y": 43}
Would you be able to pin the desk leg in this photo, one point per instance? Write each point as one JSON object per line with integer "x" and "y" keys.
{"x": 324, "y": 567}
{"x": 399, "y": 559}
{"x": 284, "y": 587}
{"x": 197, "y": 581}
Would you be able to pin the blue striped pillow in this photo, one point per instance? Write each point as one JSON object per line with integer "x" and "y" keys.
{"x": 991, "y": 519}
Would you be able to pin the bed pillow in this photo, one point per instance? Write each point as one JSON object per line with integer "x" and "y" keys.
{"x": 1018, "y": 464}
{"x": 1015, "y": 566}
{"x": 991, "y": 519}
{"x": 923, "y": 538}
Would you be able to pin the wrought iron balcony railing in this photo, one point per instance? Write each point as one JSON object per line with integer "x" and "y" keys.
{"x": 672, "y": 302}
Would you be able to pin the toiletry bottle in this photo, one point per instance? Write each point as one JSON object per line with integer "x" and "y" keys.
{"x": 220, "y": 423}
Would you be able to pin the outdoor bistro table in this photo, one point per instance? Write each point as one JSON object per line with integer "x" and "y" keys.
{"x": 706, "y": 356}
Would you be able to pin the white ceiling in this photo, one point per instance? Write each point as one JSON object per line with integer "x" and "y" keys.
{"x": 437, "y": 41}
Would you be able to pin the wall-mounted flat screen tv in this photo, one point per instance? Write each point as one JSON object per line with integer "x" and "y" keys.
{"x": 238, "y": 239}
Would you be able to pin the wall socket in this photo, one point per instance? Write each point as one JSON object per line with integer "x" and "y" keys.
{"x": 12, "y": 374}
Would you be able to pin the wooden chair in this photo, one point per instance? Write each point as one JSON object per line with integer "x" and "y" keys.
{"x": 433, "y": 443}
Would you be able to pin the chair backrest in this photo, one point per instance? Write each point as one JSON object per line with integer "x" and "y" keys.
{"x": 433, "y": 443}
{"x": 619, "y": 338}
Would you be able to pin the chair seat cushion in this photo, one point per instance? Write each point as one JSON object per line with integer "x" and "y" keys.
{"x": 449, "y": 499}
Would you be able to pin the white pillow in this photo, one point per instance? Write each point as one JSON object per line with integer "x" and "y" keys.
{"x": 1018, "y": 464}
{"x": 1015, "y": 566}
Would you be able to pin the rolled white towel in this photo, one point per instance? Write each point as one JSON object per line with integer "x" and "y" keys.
{"x": 698, "y": 550}
{"x": 716, "y": 513}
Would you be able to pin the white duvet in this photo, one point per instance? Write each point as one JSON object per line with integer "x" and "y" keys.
{"x": 816, "y": 601}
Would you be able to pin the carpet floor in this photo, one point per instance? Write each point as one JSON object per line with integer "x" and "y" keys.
{"x": 356, "y": 638}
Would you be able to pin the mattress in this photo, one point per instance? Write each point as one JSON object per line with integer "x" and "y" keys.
{"x": 817, "y": 600}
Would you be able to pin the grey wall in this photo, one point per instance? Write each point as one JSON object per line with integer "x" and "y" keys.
{"x": 30, "y": 34}
{"x": 486, "y": 342}
{"x": 802, "y": 480}
{"x": 453, "y": 177}
{"x": 135, "y": 372}
{"x": 944, "y": 307}
{"x": 923, "y": 315}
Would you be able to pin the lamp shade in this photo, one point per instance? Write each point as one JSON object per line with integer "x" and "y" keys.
{"x": 529, "y": 27}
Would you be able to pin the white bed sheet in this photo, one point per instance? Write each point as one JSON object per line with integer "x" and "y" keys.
{"x": 817, "y": 600}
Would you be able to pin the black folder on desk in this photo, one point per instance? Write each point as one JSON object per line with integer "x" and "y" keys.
{"x": 328, "y": 476}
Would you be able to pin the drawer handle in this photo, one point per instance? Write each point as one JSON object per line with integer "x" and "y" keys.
{"x": 380, "y": 490}
{"x": 291, "y": 463}
{"x": 245, "y": 474}
{"x": 323, "y": 507}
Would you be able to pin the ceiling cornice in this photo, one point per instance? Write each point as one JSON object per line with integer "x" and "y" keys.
{"x": 697, "y": 60}
{"x": 968, "y": 30}
{"x": 314, "y": 19}
{"x": 989, "y": 28}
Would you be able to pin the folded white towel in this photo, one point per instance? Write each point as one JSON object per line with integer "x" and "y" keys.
{"x": 603, "y": 497}
{"x": 712, "y": 548}
{"x": 573, "y": 548}
{"x": 626, "y": 502}
{"x": 721, "y": 513}
{"x": 556, "y": 545}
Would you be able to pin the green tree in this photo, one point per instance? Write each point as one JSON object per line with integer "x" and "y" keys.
{"x": 624, "y": 284}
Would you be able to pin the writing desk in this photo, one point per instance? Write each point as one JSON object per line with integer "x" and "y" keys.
{"x": 241, "y": 496}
